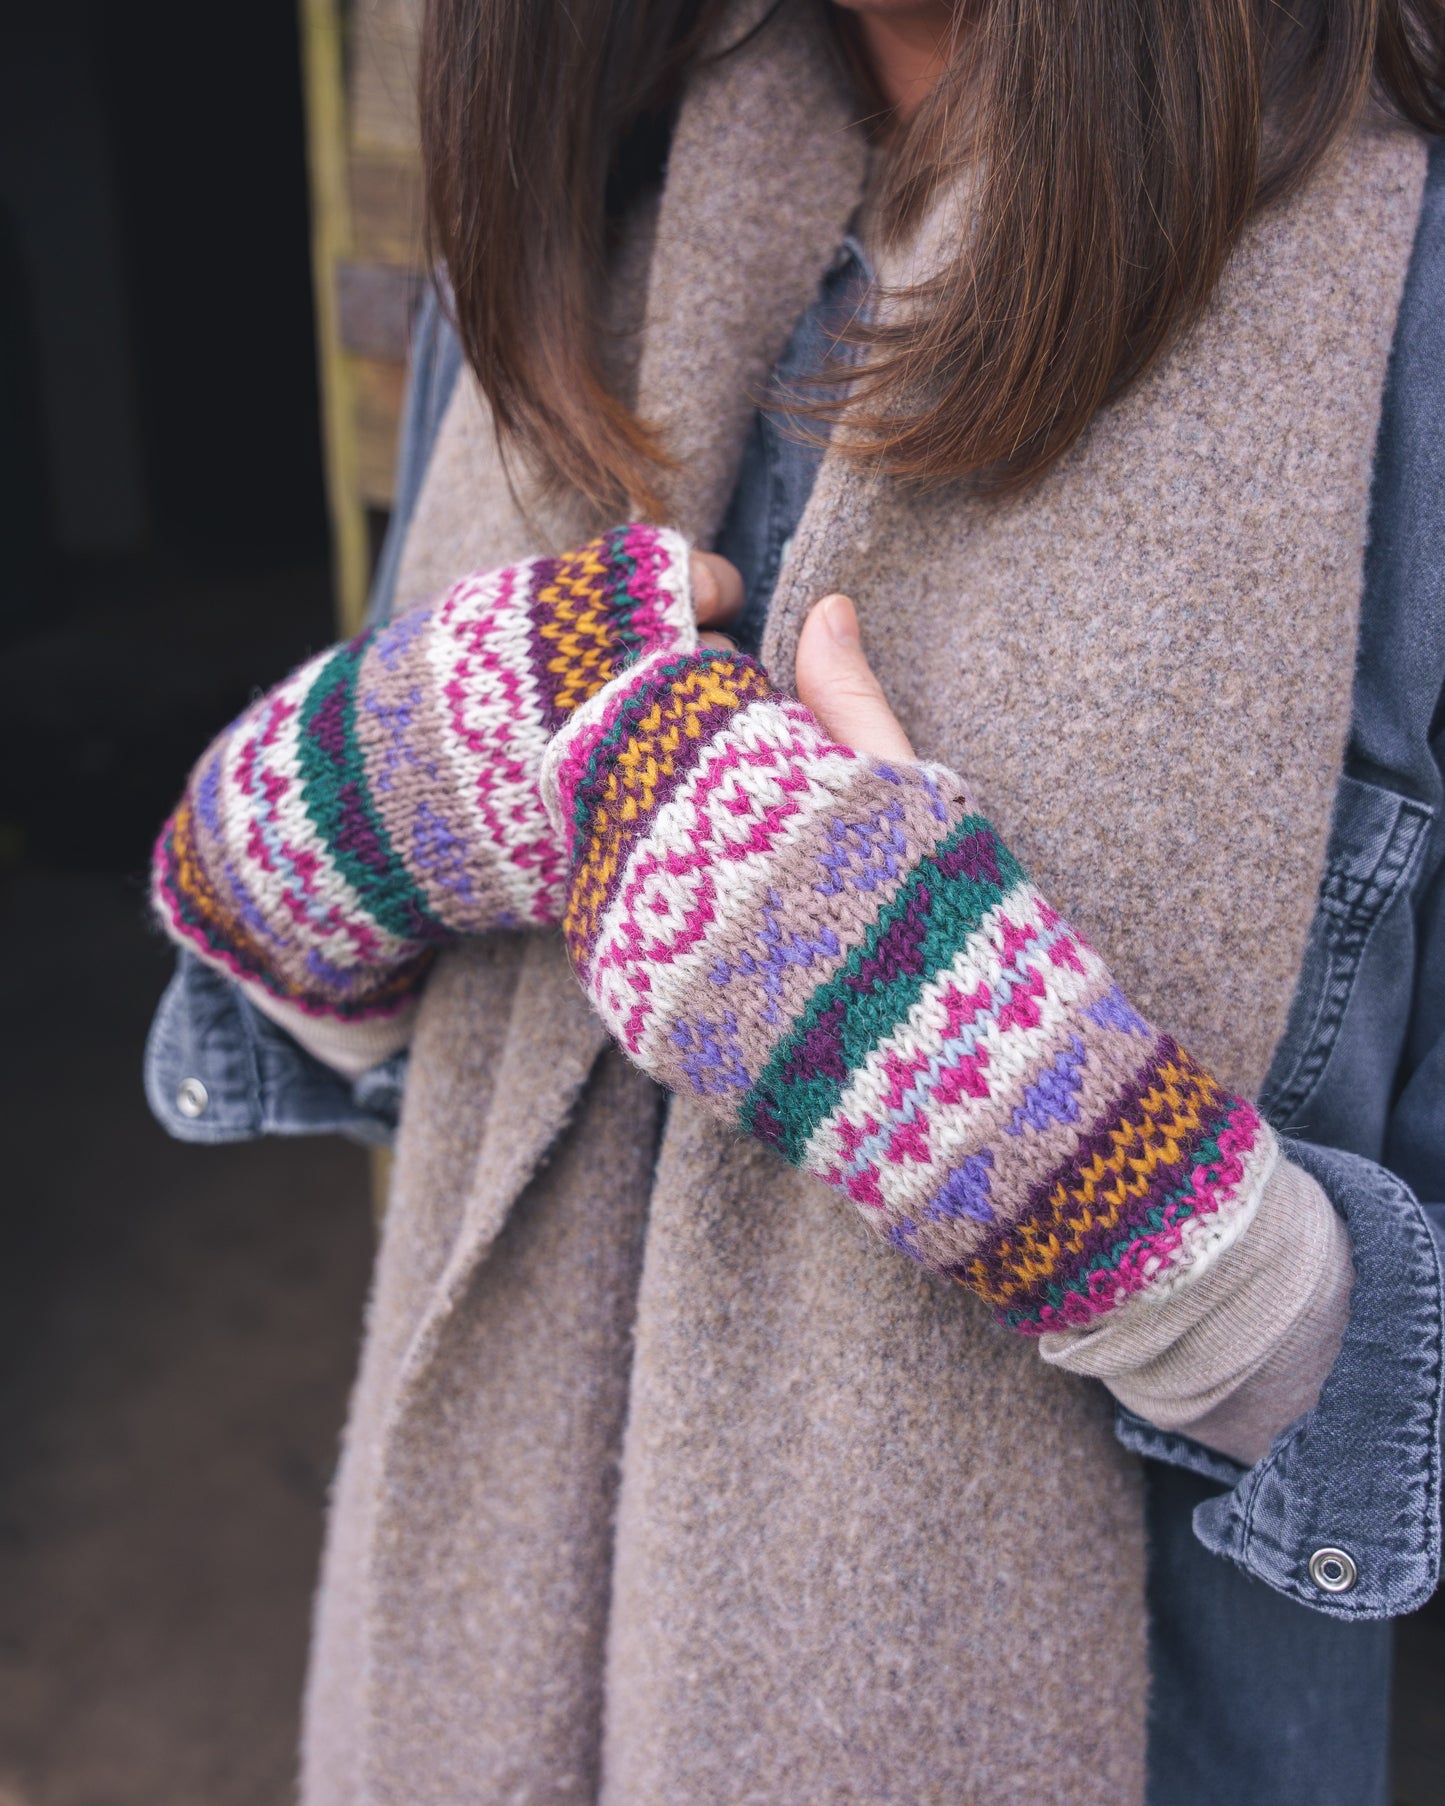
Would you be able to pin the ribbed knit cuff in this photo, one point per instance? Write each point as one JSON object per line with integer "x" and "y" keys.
{"x": 348, "y": 1047}
{"x": 1236, "y": 1357}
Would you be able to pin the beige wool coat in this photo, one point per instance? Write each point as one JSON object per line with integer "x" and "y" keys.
{"x": 662, "y": 1487}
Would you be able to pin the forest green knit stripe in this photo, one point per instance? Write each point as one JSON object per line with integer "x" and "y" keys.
{"x": 621, "y": 601}
{"x": 869, "y": 1009}
{"x": 338, "y": 800}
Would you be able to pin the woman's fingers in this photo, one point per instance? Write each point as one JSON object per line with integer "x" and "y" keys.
{"x": 838, "y": 685}
{"x": 717, "y": 589}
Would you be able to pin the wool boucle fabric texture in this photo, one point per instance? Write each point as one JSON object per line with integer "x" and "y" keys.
{"x": 383, "y": 799}
{"x": 839, "y": 955}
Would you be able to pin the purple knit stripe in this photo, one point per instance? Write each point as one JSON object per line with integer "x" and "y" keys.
{"x": 898, "y": 954}
{"x": 207, "y": 791}
{"x": 357, "y": 833}
{"x": 523, "y": 597}
{"x": 900, "y": 949}
{"x": 975, "y": 858}
{"x": 328, "y": 726}
{"x": 819, "y": 1054}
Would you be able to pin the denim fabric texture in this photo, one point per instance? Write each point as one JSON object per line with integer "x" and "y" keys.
{"x": 216, "y": 1070}
{"x": 434, "y": 365}
{"x": 1243, "y": 1677}
{"x": 1253, "y": 1701}
{"x": 785, "y": 448}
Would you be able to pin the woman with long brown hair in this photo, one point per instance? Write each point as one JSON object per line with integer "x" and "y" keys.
{"x": 1085, "y": 362}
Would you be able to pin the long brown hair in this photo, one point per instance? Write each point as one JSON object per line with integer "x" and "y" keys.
{"x": 1122, "y": 145}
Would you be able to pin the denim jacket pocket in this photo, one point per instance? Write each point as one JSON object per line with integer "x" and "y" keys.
{"x": 1376, "y": 841}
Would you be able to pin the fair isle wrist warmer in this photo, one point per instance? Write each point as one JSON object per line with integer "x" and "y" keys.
{"x": 839, "y": 956}
{"x": 384, "y": 799}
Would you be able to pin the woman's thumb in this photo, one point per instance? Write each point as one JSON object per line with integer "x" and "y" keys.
{"x": 837, "y": 683}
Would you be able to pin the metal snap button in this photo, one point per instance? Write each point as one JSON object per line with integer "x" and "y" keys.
{"x": 1333, "y": 1571}
{"x": 192, "y": 1098}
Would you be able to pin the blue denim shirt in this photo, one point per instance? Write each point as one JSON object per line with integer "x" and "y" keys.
{"x": 1251, "y": 1695}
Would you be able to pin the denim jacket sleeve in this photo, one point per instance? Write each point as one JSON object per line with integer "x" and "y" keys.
{"x": 215, "y": 1068}
{"x": 1344, "y": 1513}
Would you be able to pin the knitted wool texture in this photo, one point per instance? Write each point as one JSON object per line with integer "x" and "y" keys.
{"x": 840, "y": 956}
{"x": 384, "y": 799}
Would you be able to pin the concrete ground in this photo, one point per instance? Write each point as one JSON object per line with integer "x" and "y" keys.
{"x": 178, "y": 1328}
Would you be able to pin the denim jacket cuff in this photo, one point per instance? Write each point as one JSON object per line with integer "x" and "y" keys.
{"x": 1343, "y": 1513}
{"x": 217, "y": 1070}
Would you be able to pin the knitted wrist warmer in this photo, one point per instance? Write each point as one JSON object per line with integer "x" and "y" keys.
{"x": 384, "y": 798}
{"x": 839, "y": 956}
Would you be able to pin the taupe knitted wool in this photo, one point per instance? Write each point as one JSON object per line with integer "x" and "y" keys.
{"x": 661, "y": 1486}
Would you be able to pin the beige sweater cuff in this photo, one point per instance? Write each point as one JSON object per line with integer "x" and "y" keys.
{"x": 349, "y": 1048}
{"x": 1235, "y": 1358}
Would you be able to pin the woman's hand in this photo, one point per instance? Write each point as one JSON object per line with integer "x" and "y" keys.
{"x": 835, "y": 679}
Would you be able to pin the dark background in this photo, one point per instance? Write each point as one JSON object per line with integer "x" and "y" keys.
{"x": 160, "y": 471}
{"x": 178, "y": 1326}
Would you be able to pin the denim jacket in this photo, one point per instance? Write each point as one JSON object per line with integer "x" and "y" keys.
{"x": 1343, "y": 1514}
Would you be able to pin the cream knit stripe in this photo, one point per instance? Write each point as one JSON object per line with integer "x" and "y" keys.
{"x": 956, "y": 1073}
{"x": 669, "y": 621}
{"x": 1203, "y": 1238}
{"x": 704, "y": 867}
{"x": 489, "y": 712}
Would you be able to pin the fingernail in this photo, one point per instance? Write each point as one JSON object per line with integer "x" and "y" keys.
{"x": 841, "y": 621}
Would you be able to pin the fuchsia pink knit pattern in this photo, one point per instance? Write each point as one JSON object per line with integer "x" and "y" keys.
{"x": 840, "y": 957}
{"x": 384, "y": 798}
